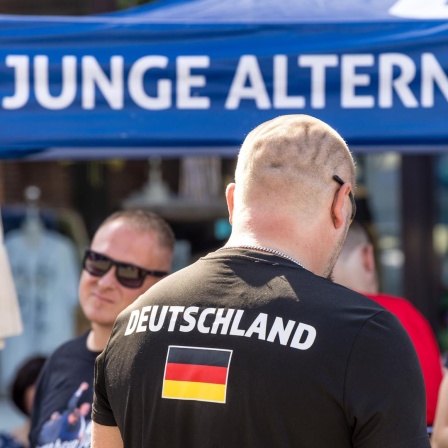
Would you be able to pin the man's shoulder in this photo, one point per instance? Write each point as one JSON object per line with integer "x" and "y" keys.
{"x": 400, "y": 307}
{"x": 353, "y": 309}
{"x": 410, "y": 317}
{"x": 388, "y": 300}
{"x": 341, "y": 296}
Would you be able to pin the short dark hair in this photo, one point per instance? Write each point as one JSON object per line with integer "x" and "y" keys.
{"x": 25, "y": 377}
{"x": 357, "y": 234}
{"x": 146, "y": 220}
{"x": 362, "y": 233}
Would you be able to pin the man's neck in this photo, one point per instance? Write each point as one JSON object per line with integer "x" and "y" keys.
{"x": 98, "y": 337}
{"x": 298, "y": 251}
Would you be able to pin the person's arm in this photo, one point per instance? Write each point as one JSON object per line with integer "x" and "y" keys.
{"x": 439, "y": 438}
{"x": 73, "y": 402}
{"x": 105, "y": 432}
{"x": 106, "y": 436}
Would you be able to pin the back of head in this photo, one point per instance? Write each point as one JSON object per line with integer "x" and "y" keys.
{"x": 356, "y": 266}
{"x": 357, "y": 234}
{"x": 26, "y": 378}
{"x": 290, "y": 162}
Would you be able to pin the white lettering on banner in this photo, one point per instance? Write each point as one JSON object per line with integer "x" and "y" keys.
{"x": 400, "y": 84}
{"x": 248, "y": 72}
{"x": 136, "y": 85}
{"x": 154, "y": 83}
{"x": 351, "y": 79}
{"x": 185, "y": 81}
{"x": 432, "y": 73}
{"x": 281, "y": 98}
{"x": 93, "y": 76}
{"x": 318, "y": 66}
{"x": 42, "y": 83}
{"x": 21, "y": 65}
{"x": 218, "y": 321}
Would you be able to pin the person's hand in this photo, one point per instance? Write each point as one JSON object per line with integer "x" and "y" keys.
{"x": 83, "y": 386}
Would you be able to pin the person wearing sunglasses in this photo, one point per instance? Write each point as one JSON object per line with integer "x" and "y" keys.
{"x": 130, "y": 252}
{"x": 253, "y": 346}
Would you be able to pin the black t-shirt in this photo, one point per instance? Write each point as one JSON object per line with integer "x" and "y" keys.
{"x": 64, "y": 393}
{"x": 243, "y": 349}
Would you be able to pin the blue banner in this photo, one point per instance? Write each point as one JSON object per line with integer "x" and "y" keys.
{"x": 126, "y": 81}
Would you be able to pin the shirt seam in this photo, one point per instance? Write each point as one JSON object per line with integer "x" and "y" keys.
{"x": 349, "y": 358}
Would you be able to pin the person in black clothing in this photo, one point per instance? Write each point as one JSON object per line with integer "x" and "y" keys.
{"x": 253, "y": 345}
{"x": 130, "y": 252}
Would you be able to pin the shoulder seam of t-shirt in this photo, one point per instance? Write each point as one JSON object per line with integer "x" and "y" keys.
{"x": 351, "y": 351}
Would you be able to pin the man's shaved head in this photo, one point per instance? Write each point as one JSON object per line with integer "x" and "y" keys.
{"x": 295, "y": 155}
{"x": 285, "y": 196}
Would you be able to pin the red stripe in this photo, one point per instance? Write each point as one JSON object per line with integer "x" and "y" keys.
{"x": 196, "y": 373}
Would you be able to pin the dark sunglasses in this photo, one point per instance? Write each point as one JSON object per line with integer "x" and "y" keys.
{"x": 128, "y": 275}
{"x": 350, "y": 195}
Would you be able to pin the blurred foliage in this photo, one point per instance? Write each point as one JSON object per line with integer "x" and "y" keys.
{"x": 125, "y": 4}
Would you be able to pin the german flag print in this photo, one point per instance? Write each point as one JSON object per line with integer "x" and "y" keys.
{"x": 194, "y": 373}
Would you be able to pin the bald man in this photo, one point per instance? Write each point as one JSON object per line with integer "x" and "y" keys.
{"x": 252, "y": 346}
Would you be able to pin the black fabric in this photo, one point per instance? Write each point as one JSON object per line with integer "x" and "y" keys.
{"x": 58, "y": 394}
{"x": 313, "y": 365}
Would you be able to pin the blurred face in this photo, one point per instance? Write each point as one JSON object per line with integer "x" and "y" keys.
{"x": 29, "y": 398}
{"x": 103, "y": 298}
{"x": 84, "y": 409}
{"x": 73, "y": 417}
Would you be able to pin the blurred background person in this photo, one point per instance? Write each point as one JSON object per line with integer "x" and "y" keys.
{"x": 22, "y": 395}
{"x": 130, "y": 252}
{"x": 356, "y": 269}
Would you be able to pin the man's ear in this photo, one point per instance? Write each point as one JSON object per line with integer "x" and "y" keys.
{"x": 230, "y": 190}
{"x": 339, "y": 207}
{"x": 368, "y": 258}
